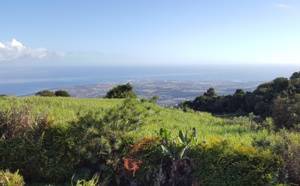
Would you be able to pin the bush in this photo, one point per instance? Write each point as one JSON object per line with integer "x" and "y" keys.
{"x": 61, "y": 93}
{"x": 18, "y": 122}
{"x": 129, "y": 116}
{"x": 52, "y": 153}
{"x": 40, "y": 150}
{"x": 147, "y": 154}
{"x": 21, "y": 140}
{"x": 45, "y": 93}
{"x": 219, "y": 163}
{"x": 52, "y": 157}
{"x": 121, "y": 91}
{"x": 286, "y": 145}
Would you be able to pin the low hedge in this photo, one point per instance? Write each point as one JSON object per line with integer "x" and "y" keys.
{"x": 219, "y": 163}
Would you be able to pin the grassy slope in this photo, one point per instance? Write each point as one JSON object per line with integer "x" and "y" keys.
{"x": 63, "y": 110}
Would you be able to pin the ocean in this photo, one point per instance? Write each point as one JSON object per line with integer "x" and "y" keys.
{"x": 23, "y": 80}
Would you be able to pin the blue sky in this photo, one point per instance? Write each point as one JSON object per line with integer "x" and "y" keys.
{"x": 177, "y": 32}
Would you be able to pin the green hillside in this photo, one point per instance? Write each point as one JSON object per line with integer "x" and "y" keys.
{"x": 123, "y": 141}
{"x": 67, "y": 110}
{"x": 61, "y": 109}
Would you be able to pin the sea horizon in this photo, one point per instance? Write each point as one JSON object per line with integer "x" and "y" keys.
{"x": 28, "y": 80}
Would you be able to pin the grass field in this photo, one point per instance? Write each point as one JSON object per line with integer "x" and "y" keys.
{"x": 65, "y": 110}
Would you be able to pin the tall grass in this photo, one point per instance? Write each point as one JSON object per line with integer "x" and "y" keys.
{"x": 61, "y": 109}
{"x": 65, "y": 110}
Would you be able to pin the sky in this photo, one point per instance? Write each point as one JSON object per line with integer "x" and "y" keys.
{"x": 149, "y": 32}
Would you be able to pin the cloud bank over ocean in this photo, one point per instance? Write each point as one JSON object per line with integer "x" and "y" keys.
{"x": 15, "y": 50}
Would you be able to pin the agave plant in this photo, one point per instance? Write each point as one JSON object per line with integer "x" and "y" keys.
{"x": 177, "y": 166}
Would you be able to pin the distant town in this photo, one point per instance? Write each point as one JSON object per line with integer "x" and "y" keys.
{"x": 170, "y": 92}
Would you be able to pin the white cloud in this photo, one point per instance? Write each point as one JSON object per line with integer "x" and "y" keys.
{"x": 16, "y": 43}
{"x": 283, "y": 6}
{"x": 1, "y": 45}
{"x": 14, "y": 50}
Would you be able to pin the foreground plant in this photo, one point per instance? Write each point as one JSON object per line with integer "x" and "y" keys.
{"x": 177, "y": 166}
{"x": 9, "y": 179}
{"x": 92, "y": 182}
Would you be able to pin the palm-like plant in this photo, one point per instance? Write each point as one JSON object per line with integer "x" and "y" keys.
{"x": 177, "y": 166}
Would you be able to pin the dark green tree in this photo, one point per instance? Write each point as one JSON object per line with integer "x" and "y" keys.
{"x": 239, "y": 92}
{"x": 222, "y": 104}
{"x": 295, "y": 75}
{"x": 280, "y": 84}
{"x": 61, "y": 93}
{"x": 121, "y": 91}
{"x": 250, "y": 100}
{"x": 286, "y": 111}
{"x": 262, "y": 89}
{"x": 280, "y": 91}
{"x": 210, "y": 92}
{"x": 237, "y": 101}
{"x": 296, "y": 84}
{"x": 45, "y": 93}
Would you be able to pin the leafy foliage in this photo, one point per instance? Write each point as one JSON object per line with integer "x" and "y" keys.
{"x": 286, "y": 112}
{"x": 121, "y": 91}
{"x": 61, "y": 93}
{"x": 154, "y": 99}
{"x": 276, "y": 99}
{"x": 129, "y": 116}
{"x": 45, "y": 93}
{"x": 48, "y": 93}
{"x": 92, "y": 182}
{"x": 177, "y": 166}
{"x": 220, "y": 163}
{"x": 295, "y": 75}
{"x": 286, "y": 145}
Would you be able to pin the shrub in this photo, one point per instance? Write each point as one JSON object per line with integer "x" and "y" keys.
{"x": 45, "y": 93}
{"x": 40, "y": 150}
{"x": 146, "y": 154}
{"x": 121, "y": 91}
{"x": 18, "y": 122}
{"x": 286, "y": 145}
{"x": 219, "y": 163}
{"x": 61, "y": 93}
{"x": 129, "y": 116}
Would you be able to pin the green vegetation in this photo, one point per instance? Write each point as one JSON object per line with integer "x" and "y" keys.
{"x": 9, "y": 179}
{"x": 121, "y": 91}
{"x": 61, "y": 93}
{"x": 278, "y": 99}
{"x": 45, "y": 93}
{"x": 48, "y": 93}
{"x": 61, "y": 140}
{"x": 93, "y": 182}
